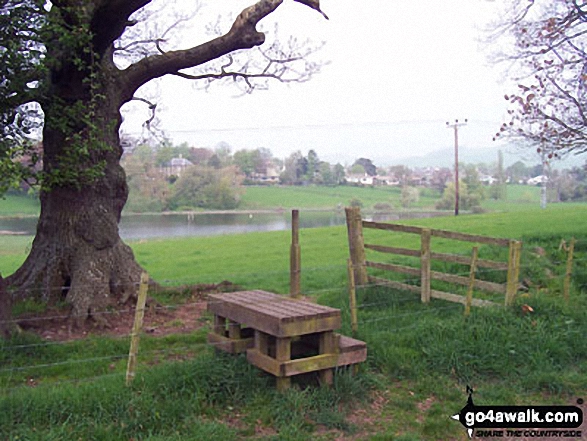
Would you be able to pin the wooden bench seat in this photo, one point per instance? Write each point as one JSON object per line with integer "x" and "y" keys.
{"x": 282, "y": 336}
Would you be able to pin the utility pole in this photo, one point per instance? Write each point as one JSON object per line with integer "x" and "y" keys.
{"x": 456, "y": 126}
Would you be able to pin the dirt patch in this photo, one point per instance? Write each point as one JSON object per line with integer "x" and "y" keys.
{"x": 183, "y": 317}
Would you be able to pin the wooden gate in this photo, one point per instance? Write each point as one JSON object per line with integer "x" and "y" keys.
{"x": 357, "y": 247}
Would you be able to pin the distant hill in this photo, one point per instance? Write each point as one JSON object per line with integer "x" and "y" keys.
{"x": 445, "y": 158}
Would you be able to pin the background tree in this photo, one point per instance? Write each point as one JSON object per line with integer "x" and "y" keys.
{"x": 467, "y": 200}
{"x": 367, "y": 165}
{"x": 401, "y": 173}
{"x": 74, "y": 64}
{"x": 517, "y": 172}
{"x": 499, "y": 188}
{"x": 207, "y": 187}
{"x": 409, "y": 196}
{"x": 545, "y": 49}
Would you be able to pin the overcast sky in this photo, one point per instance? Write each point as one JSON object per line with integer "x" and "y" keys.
{"x": 399, "y": 69}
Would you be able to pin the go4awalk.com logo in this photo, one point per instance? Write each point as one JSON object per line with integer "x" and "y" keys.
{"x": 520, "y": 421}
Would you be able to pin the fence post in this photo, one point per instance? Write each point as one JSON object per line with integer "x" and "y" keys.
{"x": 471, "y": 281}
{"x": 352, "y": 298}
{"x": 513, "y": 272}
{"x": 569, "y": 270}
{"x": 356, "y": 244}
{"x": 136, "y": 329}
{"x": 295, "y": 256}
{"x": 425, "y": 265}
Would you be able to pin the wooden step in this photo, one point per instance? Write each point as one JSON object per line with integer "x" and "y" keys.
{"x": 351, "y": 351}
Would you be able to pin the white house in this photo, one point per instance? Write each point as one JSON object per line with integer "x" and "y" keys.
{"x": 537, "y": 180}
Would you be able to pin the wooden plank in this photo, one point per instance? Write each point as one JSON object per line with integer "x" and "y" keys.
{"x": 392, "y": 227}
{"x": 393, "y": 250}
{"x": 465, "y": 260}
{"x": 351, "y": 351}
{"x": 470, "y": 237}
{"x": 283, "y": 355}
{"x": 460, "y": 299}
{"x": 219, "y": 325}
{"x": 394, "y": 284}
{"x": 327, "y": 346}
{"x": 310, "y": 364}
{"x": 461, "y": 280}
{"x": 264, "y": 362}
{"x": 273, "y": 314}
{"x": 292, "y": 367}
{"x": 232, "y": 346}
{"x": 234, "y": 329}
{"x": 393, "y": 267}
{"x": 261, "y": 342}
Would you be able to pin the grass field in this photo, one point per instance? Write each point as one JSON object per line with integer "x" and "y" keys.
{"x": 519, "y": 197}
{"x": 273, "y": 197}
{"x": 13, "y": 205}
{"x": 420, "y": 356}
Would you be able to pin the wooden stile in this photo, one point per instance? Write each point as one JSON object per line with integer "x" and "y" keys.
{"x": 136, "y": 329}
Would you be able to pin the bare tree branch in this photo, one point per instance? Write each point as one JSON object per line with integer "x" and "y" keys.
{"x": 242, "y": 35}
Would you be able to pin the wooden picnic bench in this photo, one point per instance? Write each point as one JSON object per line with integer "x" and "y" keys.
{"x": 281, "y": 335}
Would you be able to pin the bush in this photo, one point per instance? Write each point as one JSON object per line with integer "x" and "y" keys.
{"x": 383, "y": 207}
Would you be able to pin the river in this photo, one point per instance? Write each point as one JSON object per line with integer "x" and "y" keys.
{"x": 148, "y": 226}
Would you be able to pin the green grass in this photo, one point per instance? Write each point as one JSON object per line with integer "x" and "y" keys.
{"x": 420, "y": 356}
{"x": 18, "y": 205}
{"x": 273, "y": 197}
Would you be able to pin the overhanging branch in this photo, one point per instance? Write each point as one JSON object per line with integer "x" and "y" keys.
{"x": 242, "y": 35}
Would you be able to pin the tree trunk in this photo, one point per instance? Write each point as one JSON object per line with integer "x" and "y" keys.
{"x": 5, "y": 311}
{"x": 77, "y": 254}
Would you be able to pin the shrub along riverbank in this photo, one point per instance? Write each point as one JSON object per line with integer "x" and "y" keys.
{"x": 421, "y": 357}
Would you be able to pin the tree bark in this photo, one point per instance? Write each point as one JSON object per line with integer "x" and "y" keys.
{"x": 5, "y": 310}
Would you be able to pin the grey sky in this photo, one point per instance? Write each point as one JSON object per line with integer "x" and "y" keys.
{"x": 398, "y": 70}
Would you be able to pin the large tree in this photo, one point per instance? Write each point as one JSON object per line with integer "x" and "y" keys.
{"x": 62, "y": 71}
{"x": 544, "y": 42}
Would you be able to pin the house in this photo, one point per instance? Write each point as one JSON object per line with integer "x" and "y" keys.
{"x": 487, "y": 179}
{"x": 360, "y": 179}
{"x": 386, "y": 180}
{"x": 176, "y": 166}
{"x": 270, "y": 175}
{"x": 537, "y": 180}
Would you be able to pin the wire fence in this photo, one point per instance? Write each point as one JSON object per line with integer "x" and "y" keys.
{"x": 80, "y": 359}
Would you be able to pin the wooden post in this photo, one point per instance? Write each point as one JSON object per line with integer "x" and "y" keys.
{"x": 136, "y": 329}
{"x": 471, "y": 281}
{"x": 356, "y": 244}
{"x": 425, "y": 265}
{"x": 283, "y": 353}
{"x": 513, "y": 272}
{"x": 295, "y": 256}
{"x": 352, "y": 299}
{"x": 569, "y": 270}
{"x": 326, "y": 346}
